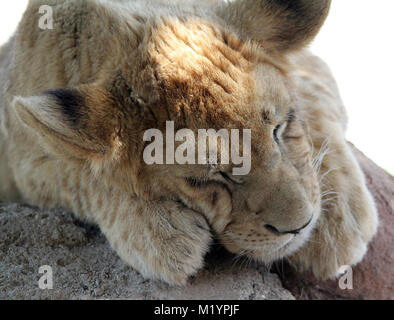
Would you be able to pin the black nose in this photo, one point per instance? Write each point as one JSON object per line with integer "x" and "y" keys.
{"x": 296, "y": 231}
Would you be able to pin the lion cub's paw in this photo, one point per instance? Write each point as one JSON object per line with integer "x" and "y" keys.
{"x": 185, "y": 243}
{"x": 341, "y": 236}
{"x": 345, "y": 248}
{"x": 166, "y": 241}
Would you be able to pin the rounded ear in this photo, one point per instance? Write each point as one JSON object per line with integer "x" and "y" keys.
{"x": 279, "y": 25}
{"x": 80, "y": 122}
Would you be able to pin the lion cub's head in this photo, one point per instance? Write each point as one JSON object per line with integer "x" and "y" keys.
{"x": 223, "y": 68}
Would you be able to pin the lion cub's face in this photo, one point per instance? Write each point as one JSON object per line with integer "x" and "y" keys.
{"x": 269, "y": 212}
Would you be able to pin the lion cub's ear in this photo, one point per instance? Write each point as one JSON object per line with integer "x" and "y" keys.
{"x": 279, "y": 25}
{"x": 80, "y": 122}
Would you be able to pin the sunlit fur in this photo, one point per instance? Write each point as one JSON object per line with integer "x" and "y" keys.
{"x": 128, "y": 66}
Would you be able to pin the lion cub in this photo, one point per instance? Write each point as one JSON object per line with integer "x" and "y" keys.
{"x": 76, "y": 101}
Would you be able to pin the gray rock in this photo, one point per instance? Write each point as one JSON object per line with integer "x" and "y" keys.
{"x": 85, "y": 267}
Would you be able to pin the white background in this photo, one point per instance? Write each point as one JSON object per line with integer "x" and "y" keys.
{"x": 357, "y": 42}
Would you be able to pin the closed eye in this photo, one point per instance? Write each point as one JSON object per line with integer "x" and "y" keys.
{"x": 230, "y": 179}
{"x": 276, "y": 131}
{"x": 197, "y": 183}
{"x": 291, "y": 116}
{"x": 204, "y": 183}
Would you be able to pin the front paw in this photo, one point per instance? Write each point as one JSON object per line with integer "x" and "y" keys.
{"x": 347, "y": 224}
{"x": 162, "y": 240}
{"x": 184, "y": 241}
{"x": 329, "y": 248}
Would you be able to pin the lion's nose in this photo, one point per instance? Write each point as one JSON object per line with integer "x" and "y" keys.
{"x": 296, "y": 231}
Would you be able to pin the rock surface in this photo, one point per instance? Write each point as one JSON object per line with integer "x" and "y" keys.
{"x": 85, "y": 267}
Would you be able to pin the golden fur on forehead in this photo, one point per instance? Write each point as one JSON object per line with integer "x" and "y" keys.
{"x": 201, "y": 73}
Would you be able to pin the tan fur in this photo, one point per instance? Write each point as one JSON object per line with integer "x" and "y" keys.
{"x": 128, "y": 66}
